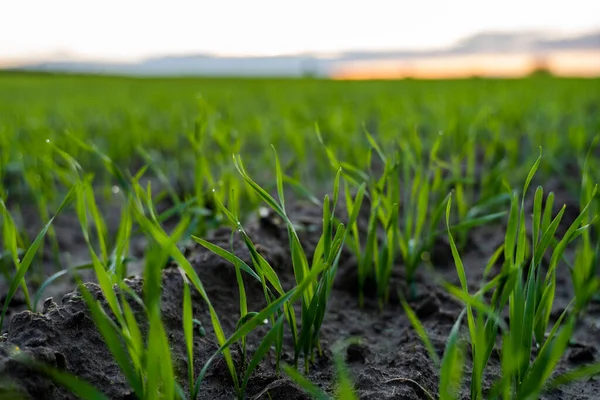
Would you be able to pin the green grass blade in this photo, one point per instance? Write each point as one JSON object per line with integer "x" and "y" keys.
{"x": 111, "y": 338}
{"x": 310, "y": 388}
{"x": 376, "y": 147}
{"x": 462, "y": 276}
{"x": 510, "y": 239}
{"x": 546, "y": 361}
{"x": 420, "y": 329}
{"x": 547, "y": 237}
{"x": 468, "y": 224}
{"x": 30, "y": 254}
{"x": 531, "y": 173}
{"x": 54, "y": 277}
{"x": 537, "y": 214}
{"x": 137, "y": 342}
{"x": 226, "y": 255}
{"x": 476, "y": 304}
{"x": 162, "y": 238}
{"x": 77, "y": 386}
{"x": 579, "y": 374}
{"x": 452, "y": 364}
{"x": 11, "y": 241}
{"x": 188, "y": 332}
{"x": 263, "y": 194}
{"x": 345, "y": 387}
{"x": 547, "y": 217}
{"x": 279, "y": 176}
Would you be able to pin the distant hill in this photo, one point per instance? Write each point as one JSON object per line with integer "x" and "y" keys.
{"x": 312, "y": 64}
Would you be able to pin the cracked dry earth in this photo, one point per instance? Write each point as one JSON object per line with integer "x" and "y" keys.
{"x": 389, "y": 362}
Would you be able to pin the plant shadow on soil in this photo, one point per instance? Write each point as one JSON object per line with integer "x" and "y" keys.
{"x": 389, "y": 361}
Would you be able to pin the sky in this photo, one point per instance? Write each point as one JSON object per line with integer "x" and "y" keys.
{"x": 128, "y": 30}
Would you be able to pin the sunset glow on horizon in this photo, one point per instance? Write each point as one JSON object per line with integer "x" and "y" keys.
{"x": 575, "y": 64}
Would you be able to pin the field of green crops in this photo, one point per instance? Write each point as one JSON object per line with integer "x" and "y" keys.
{"x": 247, "y": 237}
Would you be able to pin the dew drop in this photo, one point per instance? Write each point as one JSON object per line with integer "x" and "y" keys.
{"x": 115, "y": 189}
{"x": 47, "y": 140}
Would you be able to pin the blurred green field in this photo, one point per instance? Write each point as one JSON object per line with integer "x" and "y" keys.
{"x": 431, "y": 159}
{"x": 167, "y": 118}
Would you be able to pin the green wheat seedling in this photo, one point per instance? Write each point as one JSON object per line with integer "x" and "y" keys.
{"x": 147, "y": 378}
{"x": 146, "y": 218}
{"x": 115, "y": 260}
{"x": 375, "y": 259}
{"x": 122, "y": 326}
{"x": 13, "y": 243}
{"x": 212, "y": 145}
{"x": 272, "y": 288}
{"x": 327, "y": 253}
{"x": 416, "y": 187}
{"x": 475, "y": 196}
{"x": 312, "y": 302}
{"x": 40, "y": 179}
{"x": 264, "y": 275}
{"x": 134, "y": 353}
{"x": 529, "y": 297}
{"x": 584, "y": 271}
{"x": 258, "y": 319}
{"x": 407, "y": 205}
{"x": 150, "y": 226}
{"x": 22, "y": 265}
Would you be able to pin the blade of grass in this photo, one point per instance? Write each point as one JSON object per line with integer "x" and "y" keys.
{"x": 30, "y": 254}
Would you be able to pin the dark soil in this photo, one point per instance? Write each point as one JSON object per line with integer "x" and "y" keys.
{"x": 389, "y": 361}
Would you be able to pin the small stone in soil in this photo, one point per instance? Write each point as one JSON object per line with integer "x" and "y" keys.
{"x": 582, "y": 355}
{"x": 428, "y": 307}
{"x": 356, "y": 352}
{"x": 377, "y": 327}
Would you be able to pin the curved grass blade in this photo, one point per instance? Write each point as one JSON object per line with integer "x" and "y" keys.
{"x": 111, "y": 338}
{"x": 232, "y": 258}
{"x": 420, "y": 329}
{"x": 77, "y": 386}
{"x": 188, "y": 332}
{"x": 581, "y": 373}
{"x": 30, "y": 254}
{"x": 451, "y": 368}
{"x": 310, "y": 388}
